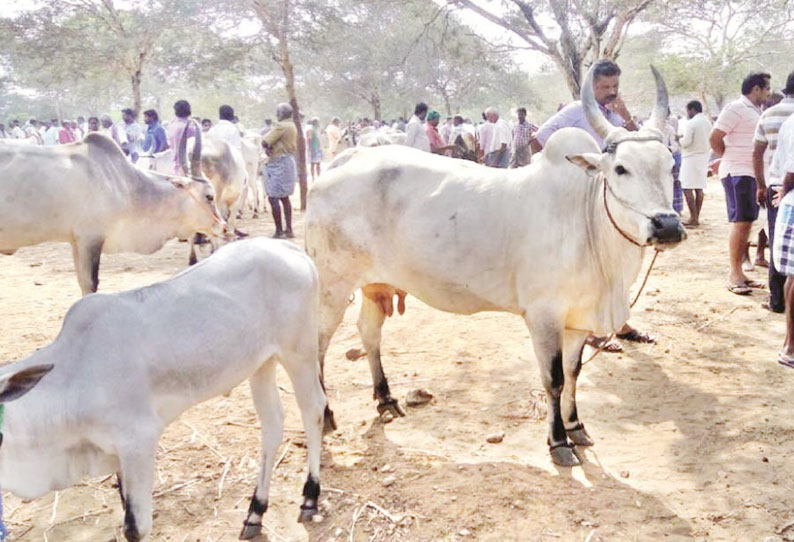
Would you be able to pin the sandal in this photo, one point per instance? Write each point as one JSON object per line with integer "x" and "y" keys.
{"x": 739, "y": 289}
{"x": 636, "y": 336}
{"x": 762, "y": 263}
{"x": 604, "y": 344}
{"x": 750, "y": 283}
{"x": 785, "y": 359}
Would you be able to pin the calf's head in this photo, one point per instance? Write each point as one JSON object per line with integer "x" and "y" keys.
{"x": 636, "y": 169}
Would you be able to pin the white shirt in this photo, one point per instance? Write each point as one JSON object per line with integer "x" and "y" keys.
{"x": 134, "y": 135}
{"x": 51, "y": 136}
{"x": 416, "y": 136}
{"x": 502, "y": 134}
{"x": 18, "y": 133}
{"x": 485, "y": 134}
{"x": 228, "y": 132}
{"x": 695, "y": 138}
{"x": 783, "y": 159}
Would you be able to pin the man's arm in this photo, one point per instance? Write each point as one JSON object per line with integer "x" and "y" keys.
{"x": 788, "y": 182}
{"x": 758, "y": 169}
{"x": 717, "y": 141}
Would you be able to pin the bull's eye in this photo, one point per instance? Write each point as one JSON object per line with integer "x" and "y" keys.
{"x": 210, "y": 198}
{"x": 620, "y": 170}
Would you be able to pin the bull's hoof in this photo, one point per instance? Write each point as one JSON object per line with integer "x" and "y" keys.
{"x": 250, "y": 531}
{"x": 579, "y": 436}
{"x": 329, "y": 423}
{"x": 192, "y": 260}
{"x": 562, "y": 455}
{"x": 255, "y": 215}
{"x": 306, "y": 514}
{"x": 392, "y": 406}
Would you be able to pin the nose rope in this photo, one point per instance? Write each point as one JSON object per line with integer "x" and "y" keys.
{"x": 612, "y": 220}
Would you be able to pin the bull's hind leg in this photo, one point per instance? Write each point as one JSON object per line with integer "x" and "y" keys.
{"x": 547, "y": 341}
{"x": 334, "y": 299}
{"x": 571, "y": 364}
{"x": 375, "y": 305}
{"x": 86, "y": 252}
{"x": 271, "y": 417}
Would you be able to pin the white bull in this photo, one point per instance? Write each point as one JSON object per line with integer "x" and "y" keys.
{"x": 89, "y": 195}
{"x": 252, "y": 156}
{"x": 126, "y": 365}
{"x": 536, "y": 241}
{"x": 381, "y": 137}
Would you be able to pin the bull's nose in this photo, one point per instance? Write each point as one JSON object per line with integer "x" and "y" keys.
{"x": 667, "y": 229}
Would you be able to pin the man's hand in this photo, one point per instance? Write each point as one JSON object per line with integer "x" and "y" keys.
{"x": 776, "y": 198}
{"x": 760, "y": 196}
{"x": 618, "y": 106}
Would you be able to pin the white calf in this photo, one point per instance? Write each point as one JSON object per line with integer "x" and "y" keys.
{"x": 126, "y": 365}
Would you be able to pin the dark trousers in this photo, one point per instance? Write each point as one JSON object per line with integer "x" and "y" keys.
{"x": 776, "y": 280}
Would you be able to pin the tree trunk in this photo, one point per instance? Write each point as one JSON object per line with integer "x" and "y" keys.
{"x": 447, "y": 104}
{"x": 289, "y": 76}
{"x": 375, "y": 102}
{"x": 136, "y": 91}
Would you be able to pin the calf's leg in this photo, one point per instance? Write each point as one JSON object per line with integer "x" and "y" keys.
{"x": 271, "y": 417}
{"x": 304, "y": 372}
{"x": 86, "y": 252}
{"x": 573, "y": 343}
{"x": 374, "y": 307}
{"x": 137, "y": 472}
{"x": 547, "y": 341}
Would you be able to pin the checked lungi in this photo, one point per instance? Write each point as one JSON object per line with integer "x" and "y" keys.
{"x": 783, "y": 243}
{"x": 280, "y": 174}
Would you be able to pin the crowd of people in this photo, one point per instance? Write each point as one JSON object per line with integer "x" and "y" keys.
{"x": 749, "y": 146}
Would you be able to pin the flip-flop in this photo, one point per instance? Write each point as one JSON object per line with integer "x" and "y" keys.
{"x": 637, "y": 337}
{"x": 750, "y": 283}
{"x": 605, "y": 345}
{"x": 761, "y": 263}
{"x": 784, "y": 359}
{"x": 739, "y": 289}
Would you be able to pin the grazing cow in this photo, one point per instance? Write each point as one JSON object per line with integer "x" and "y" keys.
{"x": 126, "y": 365}
{"x": 89, "y": 195}
{"x": 223, "y": 166}
{"x": 558, "y": 242}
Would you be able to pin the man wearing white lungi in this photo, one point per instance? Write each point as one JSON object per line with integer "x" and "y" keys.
{"x": 695, "y": 151}
{"x": 280, "y": 171}
{"x": 783, "y": 243}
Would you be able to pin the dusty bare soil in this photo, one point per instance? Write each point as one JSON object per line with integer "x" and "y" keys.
{"x": 693, "y": 438}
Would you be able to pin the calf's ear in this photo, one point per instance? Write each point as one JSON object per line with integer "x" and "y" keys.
{"x": 16, "y": 384}
{"x": 589, "y": 161}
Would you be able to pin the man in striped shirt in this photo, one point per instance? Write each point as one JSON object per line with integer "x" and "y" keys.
{"x": 732, "y": 140}
{"x": 769, "y": 184}
{"x": 523, "y": 133}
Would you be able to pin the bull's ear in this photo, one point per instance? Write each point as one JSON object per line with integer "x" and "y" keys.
{"x": 16, "y": 384}
{"x": 180, "y": 182}
{"x": 589, "y": 161}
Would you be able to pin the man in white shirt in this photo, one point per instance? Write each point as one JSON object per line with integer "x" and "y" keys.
{"x": 134, "y": 134}
{"x": 695, "y": 152}
{"x": 226, "y": 129}
{"x": 782, "y": 166}
{"x": 113, "y": 131}
{"x": 51, "y": 135}
{"x": 16, "y": 131}
{"x": 415, "y": 133}
{"x": 497, "y": 153}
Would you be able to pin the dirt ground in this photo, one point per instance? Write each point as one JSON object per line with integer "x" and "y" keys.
{"x": 692, "y": 435}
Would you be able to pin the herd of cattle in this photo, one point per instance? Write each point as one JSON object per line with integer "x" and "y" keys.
{"x": 558, "y": 242}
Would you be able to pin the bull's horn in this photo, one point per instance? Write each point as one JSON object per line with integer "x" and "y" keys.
{"x": 592, "y": 110}
{"x": 195, "y": 157}
{"x": 660, "y": 113}
{"x": 182, "y": 153}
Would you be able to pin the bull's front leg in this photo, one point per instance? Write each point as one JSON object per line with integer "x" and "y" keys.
{"x": 547, "y": 339}
{"x": 87, "y": 251}
{"x": 370, "y": 322}
{"x": 572, "y": 363}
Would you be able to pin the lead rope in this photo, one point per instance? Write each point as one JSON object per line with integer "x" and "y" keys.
{"x": 3, "y": 530}
{"x": 631, "y": 306}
